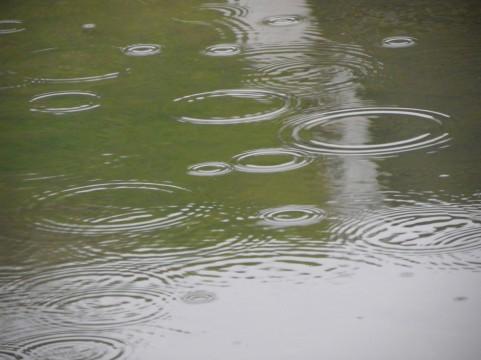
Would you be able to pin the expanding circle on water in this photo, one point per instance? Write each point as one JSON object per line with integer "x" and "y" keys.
{"x": 348, "y": 132}
{"x": 291, "y": 159}
{"x": 116, "y": 207}
{"x": 398, "y": 42}
{"x": 73, "y": 347}
{"x": 104, "y": 308}
{"x": 212, "y": 168}
{"x": 198, "y": 297}
{"x": 265, "y": 105}
{"x": 40, "y": 103}
{"x": 142, "y": 50}
{"x": 10, "y": 26}
{"x": 291, "y": 215}
{"x": 421, "y": 229}
{"x": 222, "y": 50}
{"x": 282, "y": 20}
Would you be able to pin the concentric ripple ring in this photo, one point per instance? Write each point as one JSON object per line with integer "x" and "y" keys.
{"x": 75, "y": 347}
{"x": 297, "y": 160}
{"x": 282, "y": 20}
{"x": 303, "y": 132}
{"x": 222, "y": 50}
{"x": 213, "y": 168}
{"x": 37, "y": 100}
{"x": 142, "y": 50}
{"x": 279, "y": 104}
{"x": 398, "y": 42}
{"x": 87, "y": 212}
{"x": 291, "y": 215}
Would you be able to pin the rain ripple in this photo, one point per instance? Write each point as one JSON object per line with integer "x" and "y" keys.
{"x": 102, "y": 208}
{"x": 41, "y": 102}
{"x": 268, "y": 105}
{"x": 213, "y": 168}
{"x": 222, "y": 50}
{"x": 395, "y": 42}
{"x": 232, "y": 19}
{"x": 319, "y": 133}
{"x": 291, "y": 215}
{"x": 296, "y": 159}
{"x": 73, "y": 347}
{"x": 307, "y": 69}
{"x": 142, "y": 50}
{"x": 419, "y": 229}
{"x": 10, "y": 26}
{"x": 282, "y": 20}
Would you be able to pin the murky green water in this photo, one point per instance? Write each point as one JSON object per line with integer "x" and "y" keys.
{"x": 244, "y": 179}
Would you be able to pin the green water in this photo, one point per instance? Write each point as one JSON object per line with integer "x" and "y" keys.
{"x": 243, "y": 179}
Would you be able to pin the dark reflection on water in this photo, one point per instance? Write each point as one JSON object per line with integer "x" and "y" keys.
{"x": 240, "y": 179}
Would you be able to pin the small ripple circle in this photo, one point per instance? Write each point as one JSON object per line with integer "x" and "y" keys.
{"x": 222, "y": 50}
{"x": 398, "y": 42}
{"x": 273, "y": 160}
{"x": 282, "y": 20}
{"x": 291, "y": 215}
{"x": 199, "y": 297}
{"x": 142, "y": 50}
{"x": 213, "y": 168}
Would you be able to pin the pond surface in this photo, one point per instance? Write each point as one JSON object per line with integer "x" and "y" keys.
{"x": 245, "y": 179}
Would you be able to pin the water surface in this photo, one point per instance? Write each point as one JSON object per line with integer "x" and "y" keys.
{"x": 240, "y": 179}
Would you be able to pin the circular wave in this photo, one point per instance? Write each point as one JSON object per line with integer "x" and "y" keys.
{"x": 142, "y": 50}
{"x": 116, "y": 207}
{"x": 422, "y": 229}
{"x": 104, "y": 308}
{"x": 199, "y": 297}
{"x": 306, "y": 69}
{"x": 227, "y": 10}
{"x": 282, "y": 20}
{"x": 213, "y": 168}
{"x": 296, "y": 160}
{"x": 232, "y": 19}
{"x": 266, "y": 105}
{"x": 395, "y": 42}
{"x": 9, "y": 355}
{"x": 345, "y": 132}
{"x": 10, "y": 26}
{"x": 222, "y": 50}
{"x": 291, "y": 215}
{"x": 73, "y": 347}
{"x": 66, "y": 96}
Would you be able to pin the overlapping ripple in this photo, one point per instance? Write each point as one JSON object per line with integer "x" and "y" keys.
{"x": 45, "y": 103}
{"x": 418, "y": 229}
{"x": 272, "y": 160}
{"x": 217, "y": 106}
{"x": 111, "y": 207}
{"x": 232, "y": 19}
{"x": 328, "y": 133}
{"x": 310, "y": 68}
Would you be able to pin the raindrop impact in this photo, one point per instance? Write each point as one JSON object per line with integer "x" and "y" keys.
{"x": 222, "y": 50}
{"x": 198, "y": 297}
{"x": 291, "y": 215}
{"x": 142, "y": 50}
{"x": 213, "y": 168}
{"x": 353, "y": 131}
{"x": 64, "y": 102}
{"x": 271, "y": 160}
{"x": 398, "y": 42}
{"x": 282, "y": 20}
{"x": 116, "y": 207}
{"x": 232, "y": 106}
